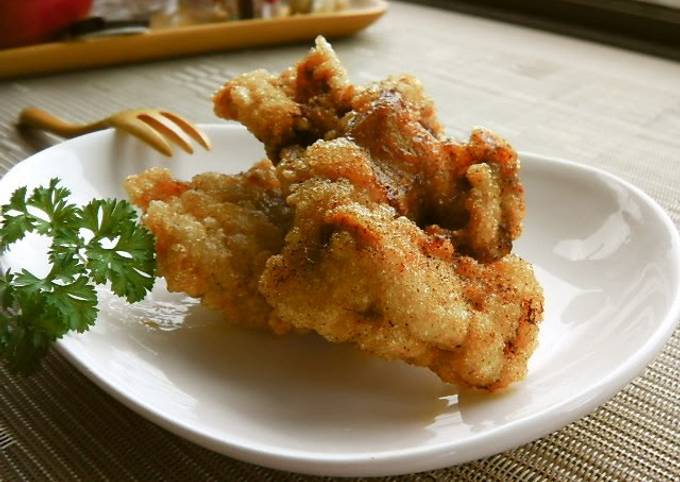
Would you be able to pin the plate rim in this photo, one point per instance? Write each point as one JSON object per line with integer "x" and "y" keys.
{"x": 443, "y": 454}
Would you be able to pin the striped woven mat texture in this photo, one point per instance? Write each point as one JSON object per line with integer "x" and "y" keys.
{"x": 569, "y": 98}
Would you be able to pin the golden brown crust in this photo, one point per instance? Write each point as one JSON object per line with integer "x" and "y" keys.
{"x": 411, "y": 90}
{"x": 354, "y": 271}
{"x": 400, "y": 238}
{"x": 299, "y": 106}
{"x": 261, "y": 102}
{"x": 405, "y": 159}
{"x": 155, "y": 185}
{"x": 214, "y": 237}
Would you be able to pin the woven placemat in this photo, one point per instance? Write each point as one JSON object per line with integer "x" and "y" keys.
{"x": 617, "y": 110}
{"x": 61, "y": 427}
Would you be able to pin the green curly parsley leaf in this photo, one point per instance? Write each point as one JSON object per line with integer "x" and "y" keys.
{"x": 16, "y": 220}
{"x": 102, "y": 242}
{"x": 128, "y": 262}
{"x": 75, "y": 302}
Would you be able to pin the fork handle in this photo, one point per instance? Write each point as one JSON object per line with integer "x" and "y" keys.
{"x": 34, "y": 117}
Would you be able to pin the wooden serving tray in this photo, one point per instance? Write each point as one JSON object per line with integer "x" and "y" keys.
{"x": 174, "y": 42}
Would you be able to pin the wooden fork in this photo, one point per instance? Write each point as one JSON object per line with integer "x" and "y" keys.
{"x": 153, "y": 126}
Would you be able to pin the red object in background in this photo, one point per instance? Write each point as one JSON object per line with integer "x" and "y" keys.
{"x": 24, "y": 22}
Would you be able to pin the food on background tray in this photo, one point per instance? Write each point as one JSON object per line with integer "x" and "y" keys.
{"x": 376, "y": 228}
{"x": 29, "y": 22}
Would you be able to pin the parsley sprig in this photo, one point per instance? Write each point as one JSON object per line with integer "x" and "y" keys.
{"x": 100, "y": 242}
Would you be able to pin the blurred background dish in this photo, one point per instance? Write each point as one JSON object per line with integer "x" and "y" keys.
{"x": 170, "y": 29}
{"x": 33, "y": 21}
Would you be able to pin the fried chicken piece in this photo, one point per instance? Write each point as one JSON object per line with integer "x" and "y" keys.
{"x": 354, "y": 271}
{"x": 214, "y": 235}
{"x": 424, "y": 176}
{"x": 297, "y": 107}
{"x": 401, "y": 237}
{"x": 471, "y": 192}
{"x": 310, "y": 101}
{"x": 481, "y": 214}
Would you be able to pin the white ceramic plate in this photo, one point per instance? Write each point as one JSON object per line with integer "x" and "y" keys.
{"x": 606, "y": 254}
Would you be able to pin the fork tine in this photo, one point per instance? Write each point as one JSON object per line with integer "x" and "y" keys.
{"x": 191, "y": 130}
{"x": 168, "y": 129}
{"x": 148, "y": 135}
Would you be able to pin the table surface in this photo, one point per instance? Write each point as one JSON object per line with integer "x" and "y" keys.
{"x": 597, "y": 105}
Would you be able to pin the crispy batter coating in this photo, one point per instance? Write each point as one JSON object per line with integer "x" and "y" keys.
{"x": 354, "y": 271}
{"x": 411, "y": 90}
{"x": 297, "y": 107}
{"x": 214, "y": 234}
{"x": 437, "y": 182}
{"x": 372, "y": 228}
{"x": 481, "y": 214}
{"x": 261, "y": 101}
{"x": 405, "y": 159}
